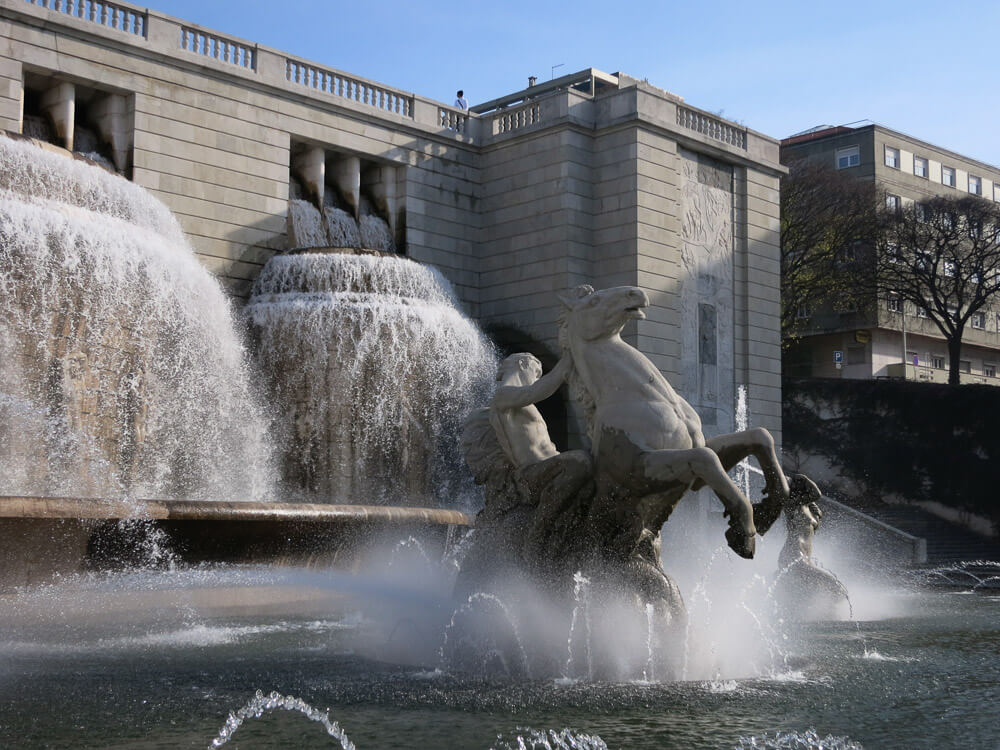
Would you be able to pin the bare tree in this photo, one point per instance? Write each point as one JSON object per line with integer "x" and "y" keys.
{"x": 827, "y": 219}
{"x": 943, "y": 257}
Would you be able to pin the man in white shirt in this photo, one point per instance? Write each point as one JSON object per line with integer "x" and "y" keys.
{"x": 460, "y": 101}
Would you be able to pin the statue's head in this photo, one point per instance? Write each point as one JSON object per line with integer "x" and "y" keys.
{"x": 596, "y": 315}
{"x": 526, "y": 365}
{"x": 801, "y": 491}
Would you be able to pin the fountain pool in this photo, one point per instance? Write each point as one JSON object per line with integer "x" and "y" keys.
{"x": 152, "y": 659}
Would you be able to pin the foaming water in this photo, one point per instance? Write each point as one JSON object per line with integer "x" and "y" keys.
{"x": 120, "y": 367}
{"x": 373, "y": 368}
{"x": 341, "y": 228}
{"x": 807, "y": 740}
{"x": 306, "y": 223}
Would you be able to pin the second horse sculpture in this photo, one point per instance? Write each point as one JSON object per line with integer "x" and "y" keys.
{"x": 549, "y": 515}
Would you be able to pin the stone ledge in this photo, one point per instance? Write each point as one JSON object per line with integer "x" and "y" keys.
{"x": 191, "y": 510}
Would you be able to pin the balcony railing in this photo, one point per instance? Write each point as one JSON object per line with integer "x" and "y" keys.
{"x": 359, "y": 90}
{"x": 101, "y": 12}
{"x": 507, "y": 121}
{"x": 712, "y": 127}
{"x": 218, "y": 48}
{"x": 925, "y": 374}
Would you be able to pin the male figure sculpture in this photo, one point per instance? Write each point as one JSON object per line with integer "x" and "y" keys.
{"x": 542, "y": 470}
{"x": 532, "y": 490}
{"x": 806, "y": 590}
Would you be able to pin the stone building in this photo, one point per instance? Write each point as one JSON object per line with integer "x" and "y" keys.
{"x": 872, "y": 345}
{"x": 589, "y": 178}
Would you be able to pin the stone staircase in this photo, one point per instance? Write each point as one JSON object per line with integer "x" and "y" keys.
{"x": 946, "y": 542}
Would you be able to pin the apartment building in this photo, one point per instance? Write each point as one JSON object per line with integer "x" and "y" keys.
{"x": 897, "y": 340}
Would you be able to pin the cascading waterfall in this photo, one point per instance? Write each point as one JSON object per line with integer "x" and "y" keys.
{"x": 120, "y": 368}
{"x": 372, "y": 369}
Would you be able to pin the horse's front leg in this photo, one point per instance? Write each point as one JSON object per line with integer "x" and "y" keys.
{"x": 702, "y": 466}
{"x": 733, "y": 448}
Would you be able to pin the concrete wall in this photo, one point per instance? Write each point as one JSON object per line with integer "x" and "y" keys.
{"x": 515, "y": 205}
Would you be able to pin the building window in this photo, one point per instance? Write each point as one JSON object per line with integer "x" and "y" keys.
{"x": 990, "y": 371}
{"x": 923, "y": 261}
{"x": 803, "y": 312}
{"x": 948, "y": 176}
{"x": 892, "y": 157}
{"x": 893, "y": 253}
{"x": 856, "y": 355}
{"x": 922, "y": 311}
{"x": 964, "y": 365}
{"x": 894, "y": 303}
{"x": 892, "y": 203}
{"x": 920, "y": 166}
{"x": 920, "y": 211}
{"x": 978, "y": 320}
{"x": 996, "y": 191}
{"x": 949, "y": 268}
{"x": 937, "y": 363}
{"x": 848, "y": 157}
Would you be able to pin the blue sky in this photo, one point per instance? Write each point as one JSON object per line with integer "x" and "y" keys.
{"x": 929, "y": 69}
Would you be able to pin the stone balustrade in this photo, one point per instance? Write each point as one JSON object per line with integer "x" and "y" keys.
{"x": 112, "y": 15}
{"x": 453, "y": 119}
{"x": 711, "y": 127}
{"x": 218, "y": 48}
{"x": 507, "y": 121}
{"x": 339, "y": 84}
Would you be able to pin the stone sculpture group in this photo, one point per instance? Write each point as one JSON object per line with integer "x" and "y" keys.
{"x": 548, "y": 514}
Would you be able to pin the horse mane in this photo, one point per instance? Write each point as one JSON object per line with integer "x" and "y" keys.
{"x": 578, "y": 390}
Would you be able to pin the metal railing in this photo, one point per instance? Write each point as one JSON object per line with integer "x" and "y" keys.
{"x": 712, "y": 127}
{"x": 112, "y": 15}
{"x": 339, "y": 84}
{"x": 218, "y": 48}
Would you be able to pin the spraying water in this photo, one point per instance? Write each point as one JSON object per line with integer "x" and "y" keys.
{"x": 260, "y": 704}
{"x": 579, "y": 627}
{"x": 120, "y": 368}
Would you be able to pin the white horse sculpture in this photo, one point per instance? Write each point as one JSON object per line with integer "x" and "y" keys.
{"x": 645, "y": 437}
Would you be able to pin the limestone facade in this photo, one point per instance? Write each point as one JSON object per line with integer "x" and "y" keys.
{"x": 591, "y": 178}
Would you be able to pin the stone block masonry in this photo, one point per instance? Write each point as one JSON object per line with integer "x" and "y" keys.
{"x": 589, "y": 178}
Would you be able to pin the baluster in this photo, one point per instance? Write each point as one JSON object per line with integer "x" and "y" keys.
{"x": 104, "y": 14}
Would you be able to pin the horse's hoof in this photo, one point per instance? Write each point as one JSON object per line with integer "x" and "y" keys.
{"x": 740, "y": 543}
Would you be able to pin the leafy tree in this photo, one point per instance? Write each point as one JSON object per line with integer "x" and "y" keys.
{"x": 943, "y": 257}
{"x": 827, "y": 218}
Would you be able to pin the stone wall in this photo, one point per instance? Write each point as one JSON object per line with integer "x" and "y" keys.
{"x": 544, "y": 191}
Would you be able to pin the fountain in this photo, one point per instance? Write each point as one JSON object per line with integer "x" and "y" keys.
{"x": 121, "y": 376}
{"x": 371, "y": 368}
{"x": 122, "y": 372}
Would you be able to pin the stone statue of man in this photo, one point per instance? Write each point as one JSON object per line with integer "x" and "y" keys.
{"x": 546, "y": 478}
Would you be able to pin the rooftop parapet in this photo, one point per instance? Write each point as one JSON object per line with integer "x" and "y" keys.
{"x": 538, "y": 105}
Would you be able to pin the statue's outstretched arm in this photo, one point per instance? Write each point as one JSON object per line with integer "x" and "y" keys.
{"x": 514, "y": 397}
